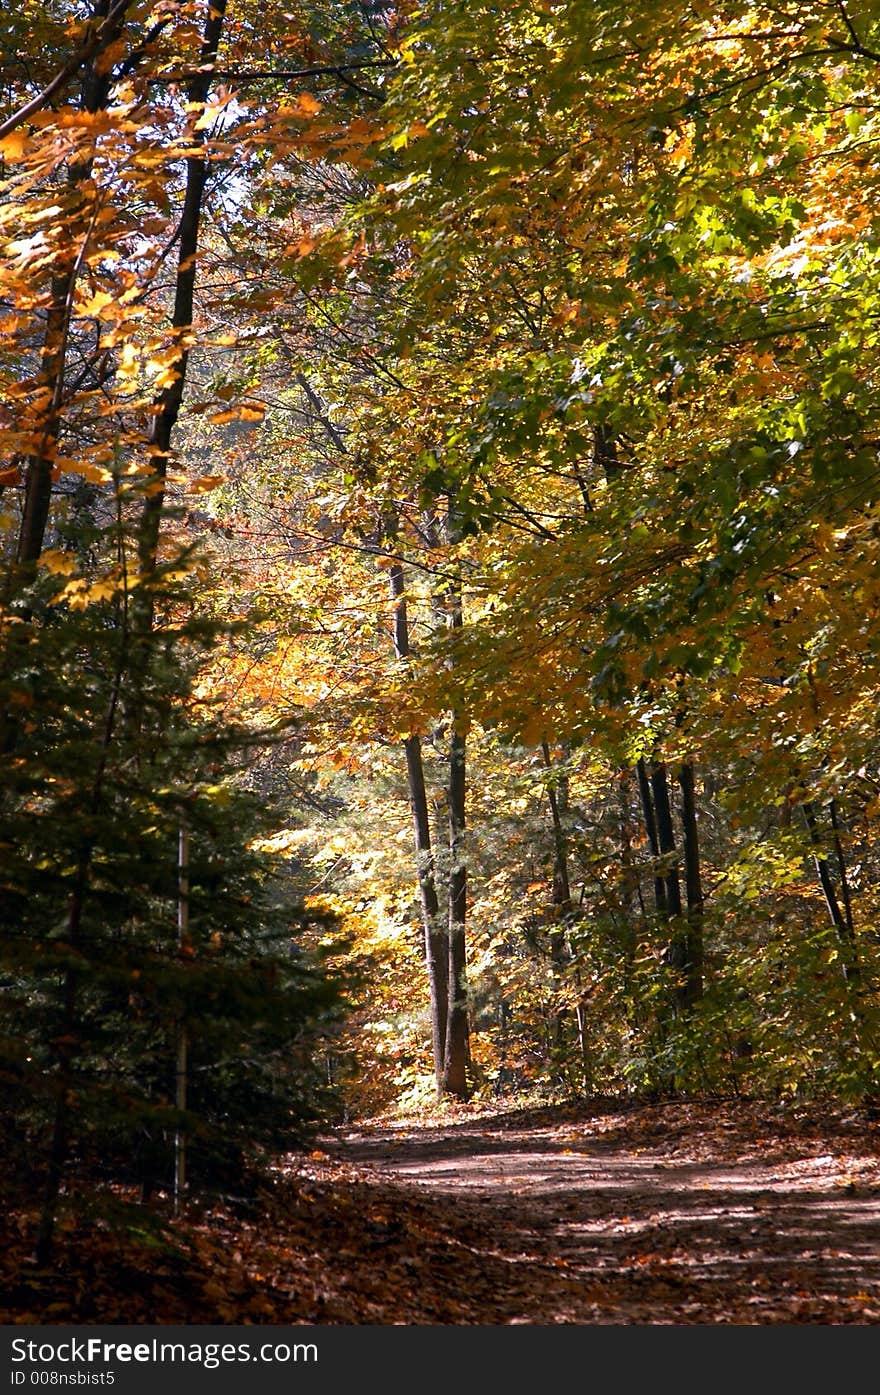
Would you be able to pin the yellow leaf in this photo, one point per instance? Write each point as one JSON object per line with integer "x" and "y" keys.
{"x": 205, "y": 483}
{"x": 58, "y": 562}
{"x": 103, "y": 590}
{"x": 167, "y": 378}
{"x": 94, "y": 473}
{"x": 96, "y": 303}
{"x": 76, "y": 594}
{"x": 127, "y": 366}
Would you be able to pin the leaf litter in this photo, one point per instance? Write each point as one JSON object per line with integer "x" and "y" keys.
{"x": 602, "y": 1213}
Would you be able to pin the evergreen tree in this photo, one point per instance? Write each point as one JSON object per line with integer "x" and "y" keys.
{"x": 115, "y": 947}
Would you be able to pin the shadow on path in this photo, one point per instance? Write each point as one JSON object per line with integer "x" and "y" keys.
{"x": 694, "y": 1214}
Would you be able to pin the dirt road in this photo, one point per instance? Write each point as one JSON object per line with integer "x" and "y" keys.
{"x": 599, "y": 1214}
{"x": 668, "y": 1214}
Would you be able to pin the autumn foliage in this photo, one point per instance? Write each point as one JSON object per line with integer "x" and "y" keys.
{"x": 440, "y": 494}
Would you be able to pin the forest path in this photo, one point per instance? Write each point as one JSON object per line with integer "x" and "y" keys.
{"x": 600, "y": 1213}
{"x": 680, "y": 1213}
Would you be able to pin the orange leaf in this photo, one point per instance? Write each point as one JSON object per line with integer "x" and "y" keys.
{"x": 306, "y": 105}
{"x": 14, "y": 146}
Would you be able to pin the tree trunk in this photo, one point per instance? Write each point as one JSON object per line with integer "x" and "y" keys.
{"x": 841, "y": 867}
{"x": 436, "y": 949}
{"x": 693, "y": 986}
{"x": 58, "y": 1147}
{"x": 166, "y": 407}
{"x": 842, "y": 922}
{"x": 564, "y": 960}
{"x": 561, "y": 883}
{"x": 181, "y": 1072}
{"x": 53, "y": 354}
{"x": 455, "y": 1064}
{"x": 31, "y": 539}
{"x": 649, "y": 816}
{"x": 666, "y": 839}
{"x": 678, "y": 951}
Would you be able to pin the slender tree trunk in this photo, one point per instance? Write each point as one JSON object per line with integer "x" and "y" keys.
{"x": 841, "y": 868}
{"x": 647, "y": 801}
{"x": 455, "y": 1064}
{"x": 166, "y": 407}
{"x": 80, "y": 215}
{"x": 693, "y": 987}
{"x": 38, "y": 474}
{"x": 436, "y": 949}
{"x": 850, "y": 954}
{"x": 634, "y": 903}
{"x": 666, "y": 838}
{"x": 842, "y": 922}
{"x": 684, "y": 951}
{"x": 457, "y": 1035}
{"x": 561, "y": 884}
{"x": 181, "y": 1073}
{"x": 824, "y": 871}
{"x": 605, "y": 454}
{"x": 167, "y": 403}
{"x": 563, "y": 957}
{"x": 58, "y": 1148}
{"x": 678, "y": 952}
{"x": 436, "y": 955}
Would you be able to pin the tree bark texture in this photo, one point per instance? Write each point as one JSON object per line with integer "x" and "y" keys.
{"x": 166, "y": 407}
{"x": 693, "y": 986}
{"x": 79, "y": 215}
{"x": 841, "y": 919}
{"x": 647, "y": 801}
{"x": 436, "y": 950}
{"x": 457, "y": 1035}
{"x": 457, "y": 1055}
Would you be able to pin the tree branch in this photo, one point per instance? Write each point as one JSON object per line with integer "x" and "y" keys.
{"x": 82, "y": 56}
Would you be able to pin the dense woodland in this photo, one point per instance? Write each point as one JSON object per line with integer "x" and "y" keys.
{"x": 440, "y": 522}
